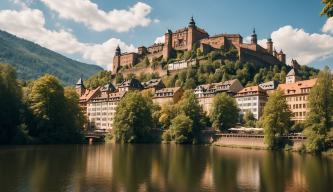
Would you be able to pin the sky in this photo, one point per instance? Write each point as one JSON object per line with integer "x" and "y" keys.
{"x": 90, "y": 30}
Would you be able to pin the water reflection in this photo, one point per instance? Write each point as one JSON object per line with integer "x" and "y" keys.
{"x": 159, "y": 168}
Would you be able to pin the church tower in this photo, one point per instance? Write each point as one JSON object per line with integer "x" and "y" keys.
{"x": 254, "y": 37}
{"x": 79, "y": 87}
{"x": 291, "y": 77}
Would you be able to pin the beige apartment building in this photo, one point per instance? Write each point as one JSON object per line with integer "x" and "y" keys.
{"x": 168, "y": 95}
{"x": 251, "y": 99}
{"x": 296, "y": 94}
{"x": 205, "y": 93}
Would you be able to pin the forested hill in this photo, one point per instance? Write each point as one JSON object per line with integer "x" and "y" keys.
{"x": 214, "y": 67}
{"x": 31, "y": 61}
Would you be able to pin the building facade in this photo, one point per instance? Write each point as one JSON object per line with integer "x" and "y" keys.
{"x": 205, "y": 93}
{"x": 168, "y": 95}
{"x": 251, "y": 99}
{"x": 296, "y": 94}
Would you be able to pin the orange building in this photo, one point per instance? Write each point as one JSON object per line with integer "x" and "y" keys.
{"x": 296, "y": 94}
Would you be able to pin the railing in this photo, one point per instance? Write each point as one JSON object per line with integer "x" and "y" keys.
{"x": 94, "y": 134}
{"x": 228, "y": 135}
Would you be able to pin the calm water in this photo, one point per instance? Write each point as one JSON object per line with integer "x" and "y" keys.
{"x": 159, "y": 168}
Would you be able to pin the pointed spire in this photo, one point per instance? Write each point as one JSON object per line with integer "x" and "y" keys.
{"x": 118, "y": 50}
{"x": 192, "y": 22}
{"x": 80, "y": 81}
{"x": 254, "y": 30}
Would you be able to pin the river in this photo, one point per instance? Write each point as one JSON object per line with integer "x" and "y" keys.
{"x": 112, "y": 167}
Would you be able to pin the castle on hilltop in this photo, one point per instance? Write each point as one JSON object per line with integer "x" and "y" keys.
{"x": 190, "y": 37}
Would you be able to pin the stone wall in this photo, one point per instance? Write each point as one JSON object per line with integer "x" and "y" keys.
{"x": 249, "y": 141}
{"x": 138, "y": 70}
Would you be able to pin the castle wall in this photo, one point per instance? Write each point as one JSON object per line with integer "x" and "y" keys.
{"x": 138, "y": 70}
{"x": 258, "y": 57}
{"x": 128, "y": 59}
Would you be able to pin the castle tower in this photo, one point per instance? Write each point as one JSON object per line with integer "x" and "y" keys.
{"x": 254, "y": 39}
{"x": 291, "y": 77}
{"x": 190, "y": 35}
{"x": 275, "y": 54}
{"x": 295, "y": 64}
{"x": 269, "y": 46}
{"x": 282, "y": 56}
{"x": 167, "y": 44}
{"x": 191, "y": 24}
{"x": 79, "y": 87}
{"x": 116, "y": 60}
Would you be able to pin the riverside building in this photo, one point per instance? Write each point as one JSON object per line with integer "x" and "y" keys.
{"x": 205, "y": 93}
{"x": 296, "y": 94}
{"x": 251, "y": 99}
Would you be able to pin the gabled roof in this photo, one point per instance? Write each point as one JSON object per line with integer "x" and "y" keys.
{"x": 270, "y": 85}
{"x": 130, "y": 83}
{"x": 108, "y": 88}
{"x": 168, "y": 90}
{"x": 296, "y": 88}
{"x": 152, "y": 83}
{"x": 291, "y": 73}
{"x": 253, "y": 90}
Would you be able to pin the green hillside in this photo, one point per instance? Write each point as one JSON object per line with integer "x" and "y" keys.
{"x": 212, "y": 68}
{"x": 32, "y": 60}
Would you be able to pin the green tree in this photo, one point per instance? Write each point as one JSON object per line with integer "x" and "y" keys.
{"x": 56, "y": 117}
{"x": 10, "y": 102}
{"x": 133, "y": 120}
{"x": 328, "y": 8}
{"x": 319, "y": 118}
{"x": 189, "y": 105}
{"x": 276, "y": 119}
{"x": 181, "y": 129}
{"x": 224, "y": 112}
{"x": 249, "y": 119}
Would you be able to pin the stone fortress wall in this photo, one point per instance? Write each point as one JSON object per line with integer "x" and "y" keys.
{"x": 184, "y": 39}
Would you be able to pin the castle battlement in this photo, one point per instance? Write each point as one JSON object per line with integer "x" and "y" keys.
{"x": 185, "y": 38}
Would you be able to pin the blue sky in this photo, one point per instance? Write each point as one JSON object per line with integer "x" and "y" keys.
{"x": 89, "y": 30}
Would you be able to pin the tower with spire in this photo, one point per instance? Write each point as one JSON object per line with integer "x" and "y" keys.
{"x": 254, "y": 37}
{"x": 116, "y": 60}
{"x": 79, "y": 87}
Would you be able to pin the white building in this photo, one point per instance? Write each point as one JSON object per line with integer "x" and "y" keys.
{"x": 251, "y": 99}
{"x": 181, "y": 64}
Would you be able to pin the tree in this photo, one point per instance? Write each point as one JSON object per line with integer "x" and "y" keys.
{"x": 181, "y": 129}
{"x": 167, "y": 113}
{"x": 10, "y": 102}
{"x": 224, "y": 112}
{"x": 55, "y": 117}
{"x": 75, "y": 117}
{"x": 133, "y": 120}
{"x": 249, "y": 119}
{"x": 328, "y": 8}
{"x": 276, "y": 119}
{"x": 319, "y": 119}
{"x": 189, "y": 105}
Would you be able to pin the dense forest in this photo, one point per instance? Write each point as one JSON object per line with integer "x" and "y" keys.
{"x": 39, "y": 112}
{"x": 32, "y": 61}
{"x": 214, "y": 67}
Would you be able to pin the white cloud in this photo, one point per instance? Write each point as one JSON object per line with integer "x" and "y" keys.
{"x": 328, "y": 26}
{"x": 160, "y": 39}
{"x": 303, "y": 46}
{"x": 88, "y": 13}
{"x": 30, "y": 24}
